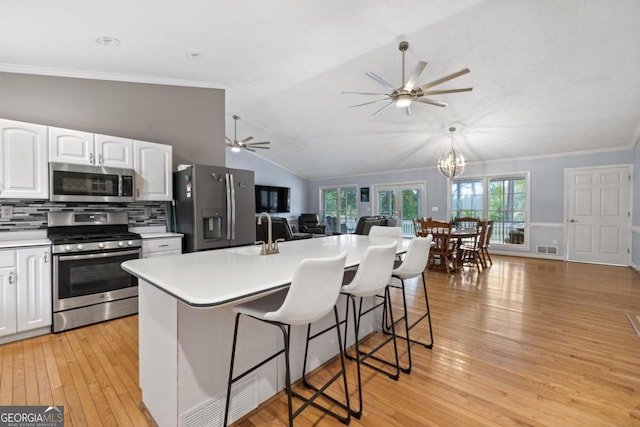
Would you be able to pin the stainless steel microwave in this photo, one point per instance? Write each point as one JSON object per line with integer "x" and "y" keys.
{"x": 80, "y": 183}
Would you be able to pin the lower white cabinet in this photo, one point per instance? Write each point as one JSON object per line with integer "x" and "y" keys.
{"x": 153, "y": 247}
{"x": 25, "y": 289}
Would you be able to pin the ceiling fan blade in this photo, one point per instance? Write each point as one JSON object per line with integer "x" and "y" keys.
{"x": 380, "y": 80}
{"x": 258, "y": 143}
{"x": 441, "y": 80}
{"x": 251, "y": 147}
{"x": 229, "y": 144}
{"x": 383, "y": 108}
{"x": 432, "y": 102}
{"x": 365, "y": 93}
{"x": 367, "y": 103}
{"x": 407, "y": 109}
{"x": 415, "y": 76}
{"x": 247, "y": 139}
{"x": 440, "y": 92}
{"x": 228, "y": 139}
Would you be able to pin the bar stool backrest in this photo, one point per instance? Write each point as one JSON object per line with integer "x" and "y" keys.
{"x": 313, "y": 291}
{"x": 384, "y": 231}
{"x": 415, "y": 260}
{"x": 374, "y": 271}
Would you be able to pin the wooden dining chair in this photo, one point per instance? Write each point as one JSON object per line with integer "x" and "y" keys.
{"x": 441, "y": 246}
{"x": 471, "y": 252}
{"x": 484, "y": 250}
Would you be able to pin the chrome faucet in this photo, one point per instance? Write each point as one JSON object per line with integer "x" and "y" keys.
{"x": 270, "y": 247}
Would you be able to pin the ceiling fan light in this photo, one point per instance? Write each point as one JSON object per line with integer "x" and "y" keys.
{"x": 235, "y": 149}
{"x": 452, "y": 164}
{"x": 403, "y": 100}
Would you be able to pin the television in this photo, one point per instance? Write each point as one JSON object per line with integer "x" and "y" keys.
{"x": 272, "y": 199}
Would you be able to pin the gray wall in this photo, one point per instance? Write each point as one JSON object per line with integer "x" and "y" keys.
{"x": 190, "y": 119}
{"x": 547, "y": 191}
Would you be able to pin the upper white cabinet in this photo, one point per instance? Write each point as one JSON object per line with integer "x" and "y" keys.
{"x": 152, "y": 163}
{"x": 84, "y": 148}
{"x": 23, "y": 160}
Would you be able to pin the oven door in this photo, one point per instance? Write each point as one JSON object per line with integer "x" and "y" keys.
{"x": 86, "y": 279}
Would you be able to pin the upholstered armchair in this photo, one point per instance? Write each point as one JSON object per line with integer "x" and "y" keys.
{"x": 280, "y": 229}
{"x": 310, "y": 223}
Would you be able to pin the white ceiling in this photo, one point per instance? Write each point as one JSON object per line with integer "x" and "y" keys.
{"x": 549, "y": 76}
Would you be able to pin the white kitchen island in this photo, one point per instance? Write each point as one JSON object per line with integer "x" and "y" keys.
{"x": 186, "y": 326}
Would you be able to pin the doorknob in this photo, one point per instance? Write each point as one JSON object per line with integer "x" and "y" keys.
{"x": 573, "y": 220}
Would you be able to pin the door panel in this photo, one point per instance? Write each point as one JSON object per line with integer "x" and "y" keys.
{"x": 598, "y": 214}
{"x": 403, "y": 201}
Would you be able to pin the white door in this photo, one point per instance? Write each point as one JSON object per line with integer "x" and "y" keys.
{"x": 112, "y": 151}
{"x": 152, "y": 163}
{"x": 23, "y": 160}
{"x": 403, "y": 201}
{"x": 34, "y": 288}
{"x": 599, "y": 215}
{"x": 7, "y": 301}
{"x": 71, "y": 146}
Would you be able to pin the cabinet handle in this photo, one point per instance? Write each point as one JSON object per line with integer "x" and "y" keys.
{"x": 46, "y": 257}
{"x": 100, "y": 161}
{"x": 11, "y": 278}
{"x": 138, "y": 192}
{"x": 91, "y": 158}
{"x": 163, "y": 246}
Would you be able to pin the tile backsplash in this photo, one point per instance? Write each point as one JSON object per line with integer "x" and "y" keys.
{"x": 32, "y": 214}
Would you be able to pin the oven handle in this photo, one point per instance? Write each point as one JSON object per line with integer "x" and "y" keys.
{"x": 103, "y": 254}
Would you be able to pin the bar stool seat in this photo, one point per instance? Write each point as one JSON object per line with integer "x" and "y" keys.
{"x": 370, "y": 279}
{"x": 313, "y": 293}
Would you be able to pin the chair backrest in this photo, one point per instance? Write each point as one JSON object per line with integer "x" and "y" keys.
{"x": 374, "y": 271}
{"x": 488, "y": 233}
{"x": 415, "y": 260}
{"x": 482, "y": 234}
{"x": 466, "y": 222}
{"x": 313, "y": 292}
{"x": 280, "y": 229}
{"x": 383, "y": 231}
{"x": 309, "y": 219}
{"x": 366, "y": 222}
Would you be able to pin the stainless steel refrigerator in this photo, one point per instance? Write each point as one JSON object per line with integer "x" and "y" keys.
{"x": 214, "y": 207}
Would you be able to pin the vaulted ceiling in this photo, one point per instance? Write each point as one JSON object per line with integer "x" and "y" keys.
{"x": 548, "y": 76}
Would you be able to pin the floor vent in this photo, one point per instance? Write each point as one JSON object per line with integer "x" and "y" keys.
{"x": 244, "y": 399}
{"x": 552, "y": 250}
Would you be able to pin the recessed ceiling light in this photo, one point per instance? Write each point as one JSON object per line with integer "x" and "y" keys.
{"x": 195, "y": 55}
{"x": 108, "y": 41}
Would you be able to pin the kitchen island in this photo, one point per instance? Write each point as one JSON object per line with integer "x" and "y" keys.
{"x": 186, "y": 325}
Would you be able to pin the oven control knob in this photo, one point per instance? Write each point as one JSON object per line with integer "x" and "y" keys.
{"x": 67, "y": 248}
{"x": 101, "y": 245}
{"x": 121, "y": 244}
{"x": 130, "y": 242}
{"x": 79, "y": 247}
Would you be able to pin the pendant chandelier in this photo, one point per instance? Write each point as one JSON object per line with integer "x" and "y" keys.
{"x": 451, "y": 163}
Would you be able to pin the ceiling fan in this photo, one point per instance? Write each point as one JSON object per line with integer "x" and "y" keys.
{"x": 408, "y": 93}
{"x": 236, "y": 145}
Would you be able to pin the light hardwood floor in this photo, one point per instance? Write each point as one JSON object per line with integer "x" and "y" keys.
{"x": 527, "y": 342}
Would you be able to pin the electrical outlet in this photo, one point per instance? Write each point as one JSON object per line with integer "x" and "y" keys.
{"x": 6, "y": 212}
{"x": 554, "y": 242}
{"x": 147, "y": 212}
{"x": 434, "y": 209}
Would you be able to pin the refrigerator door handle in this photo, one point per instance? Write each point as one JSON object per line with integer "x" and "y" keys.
{"x": 232, "y": 190}
{"x": 227, "y": 179}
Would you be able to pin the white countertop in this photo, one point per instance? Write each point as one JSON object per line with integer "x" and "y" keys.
{"x": 16, "y": 239}
{"x": 223, "y": 276}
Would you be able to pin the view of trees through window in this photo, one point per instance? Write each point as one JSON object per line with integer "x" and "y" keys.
{"x": 339, "y": 209}
{"x": 505, "y": 203}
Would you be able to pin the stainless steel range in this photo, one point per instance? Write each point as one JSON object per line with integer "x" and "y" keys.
{"x": 88, "y": 284}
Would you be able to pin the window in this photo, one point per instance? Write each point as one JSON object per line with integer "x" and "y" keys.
{"x": 503, "y": 199}
{"x": 339, "y": 210}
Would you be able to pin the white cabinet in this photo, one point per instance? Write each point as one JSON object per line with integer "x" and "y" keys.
{"x": 152, "y": 163}
{"x": 23, "y": 161}
{"x": 25, "y": 287}
{"x": 84, "y": 148}
{"x": 153, "y": 247}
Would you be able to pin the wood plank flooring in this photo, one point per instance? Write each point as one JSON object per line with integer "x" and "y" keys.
{"x": 527, "y": 342}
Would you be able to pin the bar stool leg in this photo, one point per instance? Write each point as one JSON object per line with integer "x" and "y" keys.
{"x": 233, "y": 358}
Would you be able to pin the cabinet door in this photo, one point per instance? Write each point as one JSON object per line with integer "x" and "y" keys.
{"x": 113, "y": 151}
{"x": 71, "y": 146}
{"x": 23, "y": 160}
{"x": 7, "y": 301}
{"x": 152, "y": 163}
{"x": 33, "y": 288}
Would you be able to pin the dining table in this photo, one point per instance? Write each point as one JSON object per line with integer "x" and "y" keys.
{"x": 457, "y": 237}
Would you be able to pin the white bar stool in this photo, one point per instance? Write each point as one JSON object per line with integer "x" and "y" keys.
{"x": 413, "y": 265}
{"x": 370, "y": 279}
{"x": 313, "y": 293}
